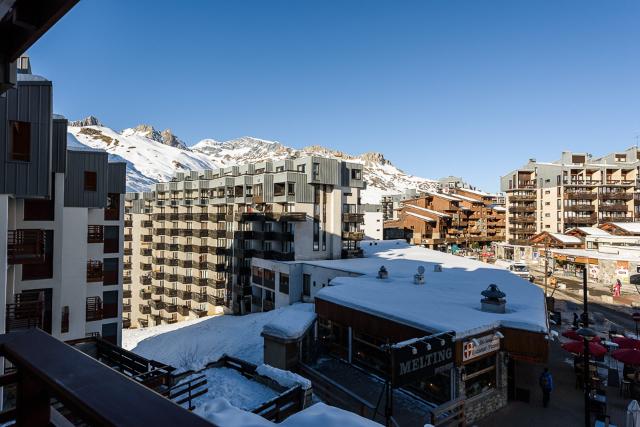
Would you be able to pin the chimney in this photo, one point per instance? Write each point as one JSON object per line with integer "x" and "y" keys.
{"x": 383, "y": 273}
{"x": 494, "y": 299}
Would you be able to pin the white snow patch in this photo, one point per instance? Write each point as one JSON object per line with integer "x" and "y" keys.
{"x": 284, "y": 378}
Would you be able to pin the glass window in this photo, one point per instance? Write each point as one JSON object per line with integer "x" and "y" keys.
{"x": 306, "y": 285}
{"x": 480, "y": 376}
{"x": 284, "y": 283}
{"x": 20, "y": 141}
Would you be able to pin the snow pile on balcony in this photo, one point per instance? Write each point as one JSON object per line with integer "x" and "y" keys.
{"x": 231, "y": 385}
{"x": 292, "y": 324}
{"x": 222, "y": 414}
{"x": 449, "y": 300}
{"x": 284, "y": 378}
{"x": 191, "y": 345}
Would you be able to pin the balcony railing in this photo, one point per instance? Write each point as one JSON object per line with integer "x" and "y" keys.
{"x": 616, "y": 195}
{"x": 26, "y": 312}
{"x": 127, "y": 280}
{"x": 145, "y": 280}
{"x": 352, "y": 235}
{"x": 613, "y": 207}
{"x": 26, "y": 246}
{"x": 95, "y": 271}
{"x": 531, "y": 208}
{"x": 92, "y": 393}
{"x": 94, "y": 309}
{"x": 585, "y": 207}
{"x": 126, "y": 293}
{"x": 580, "y": 219}
{"x": 357, "y": 218}
{"x": 144, "y": 309}
{"x": 580, "y": 195}
{"x": 95, "y": 234}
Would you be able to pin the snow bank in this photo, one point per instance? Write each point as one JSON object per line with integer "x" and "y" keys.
{"x": 191, "y": 345}
{"x": 234, "y": 387}
{"x": 284, "y": 378}
{"x": 290, "y": 325}
{"x": 223, "y": 414}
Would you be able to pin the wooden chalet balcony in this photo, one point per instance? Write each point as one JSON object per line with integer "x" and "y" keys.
{"x": 94, "y": 309}
{"x": 145, "y": 280}
{"x": 519, "y": 241}
{"x": 581, "y": 220}
{"x": 199, "y": 297}
{"x": 144, "y": 309}
{"x": 95, "y": 272}
{"x": 357, "y": 218}
{"x": 616, "y": 195}
{"x": 582, "y": 207}
{"x": 127, "y": 280}
{"x": 146, "y": 251}
{"x": 531, "y": 208}
{"x": 128, "y": 223}
{"x": 580, "y": 195}
{"x": 26, "y": 246}
{"x": 523, "y": 219}
{"x": 618, "y": 207}
{"x": 86, "y": 391}
{"x": 352, "y": 235}
{"x": 126, "y": 308}
{"x": 126, "y": 293}
{"x": 170, "y": 292}
{"x": 95, "y": 234}
{"x": 615, "y": 218}
{"x": 144, "y": 294}
{"x": 522, "y": 197}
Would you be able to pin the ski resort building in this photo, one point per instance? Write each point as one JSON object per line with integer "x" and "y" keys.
{"x": 189, "y": 243}
{"x": 575, "y": 191}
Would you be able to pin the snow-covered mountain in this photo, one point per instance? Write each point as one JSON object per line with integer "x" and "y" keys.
{"x": 154, "y": 156}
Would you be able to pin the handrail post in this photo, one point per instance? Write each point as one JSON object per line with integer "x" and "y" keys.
{"x": 32, "y": 403}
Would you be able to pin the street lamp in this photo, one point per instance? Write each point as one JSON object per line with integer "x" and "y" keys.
{"x": 636, "y": 318}
{"x": 587, "y": 335}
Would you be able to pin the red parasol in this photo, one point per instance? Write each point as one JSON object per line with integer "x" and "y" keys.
{"x": 577, "y": 347}
{"x": 570, "y": 333}
{"x": 628, "y": 356}
{"x": 625, "y": 342}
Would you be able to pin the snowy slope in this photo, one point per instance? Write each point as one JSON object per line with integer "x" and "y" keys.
{"x": 154, "y": 156}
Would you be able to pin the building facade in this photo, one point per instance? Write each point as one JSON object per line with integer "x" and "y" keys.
{"x": 575, "y": 191}
{"x": 61, "y": 222}
{"x": 373, "y": 222}
{"x": 465, "y": 218}
{"x": 189, "y": 243}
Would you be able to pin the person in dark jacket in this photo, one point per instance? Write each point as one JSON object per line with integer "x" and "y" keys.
{"x": 546, "y": 384}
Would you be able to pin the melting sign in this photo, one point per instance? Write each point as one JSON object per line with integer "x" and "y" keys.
{"x": 421, "y": 358}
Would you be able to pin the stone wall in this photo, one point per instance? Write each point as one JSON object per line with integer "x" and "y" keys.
{"x": 487, "y": 403}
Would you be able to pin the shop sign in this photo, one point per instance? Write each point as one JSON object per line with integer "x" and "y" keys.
{"x": 593, "y": 271}
{"x": 421, "y": 358}
{"x": 571, "y": 258}
{"x": 480, "y": 346}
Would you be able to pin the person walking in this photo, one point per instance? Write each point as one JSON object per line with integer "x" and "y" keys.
{"x": 617, "y": 288}
{"x": 546, "y": 384}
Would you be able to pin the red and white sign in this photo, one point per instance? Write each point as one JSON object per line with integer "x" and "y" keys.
{"x": 480, "y": 346}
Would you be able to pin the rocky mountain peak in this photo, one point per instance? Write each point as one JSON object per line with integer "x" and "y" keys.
{"x": 87, "y": 121}
{"x": 375, "y": 157}
{"x": 165, "y": 137}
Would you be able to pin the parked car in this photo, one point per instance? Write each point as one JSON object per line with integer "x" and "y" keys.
{"x": 520, "y": 269}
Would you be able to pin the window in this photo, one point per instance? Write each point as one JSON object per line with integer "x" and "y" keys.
{"x": 279, "y": 168}
{"x": 316, "y": 171}
{"x": 90, "y": 181}
{"x": 316, "y": 235}
{"x": 20, "y": 141}
{"x": 284, "y": 283}
{"x": 306, "y": 285}
{"x": 480, "y": 376}
{"x": 301, "y": 168}
{"x": 356, "y": 174}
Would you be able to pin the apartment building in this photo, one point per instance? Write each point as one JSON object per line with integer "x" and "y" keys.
{"x": 575, "y": 191}
{"x": 189, "y": 242}
{"x": 61, "y": 214}
{"x": 463, "y": 218}
{"x": 373, "y": 226}
{"x": 391, "y": 203}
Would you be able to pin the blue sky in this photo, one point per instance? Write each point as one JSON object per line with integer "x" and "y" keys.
{"x": 471, "y": 88}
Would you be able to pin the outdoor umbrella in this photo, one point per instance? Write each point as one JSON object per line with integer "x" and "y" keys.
{"x": 570, "y": 333}
{"x": 633, "y": 414}
{"x": 628, "y": 356}
{"x": 577, "y": 347}
{"x": 625, "y": 342}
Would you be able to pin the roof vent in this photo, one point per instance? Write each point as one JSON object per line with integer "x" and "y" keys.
{"x": 383, "y": 273}
{"x": 418, "y": 278}
{"x": 494, "y": 299}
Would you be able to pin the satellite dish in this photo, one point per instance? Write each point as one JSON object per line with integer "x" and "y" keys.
{"x": 420, "y": 270}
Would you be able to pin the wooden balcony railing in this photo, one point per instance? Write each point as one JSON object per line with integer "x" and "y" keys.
{"x": 26, "y": 246}
{"x": 95, "y": 234}
{"x": 94, "y": 271}
{"x": 26, "y": 312}
{"x": 94, "y": 309}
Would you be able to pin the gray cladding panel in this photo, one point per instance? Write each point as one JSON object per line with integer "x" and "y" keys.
{"x": 29, "y": 102}
{"x": 74, "y": 193}
{"x": 117, "y": 177}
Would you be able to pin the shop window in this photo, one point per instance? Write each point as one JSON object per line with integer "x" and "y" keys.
{"x": 20, "y": 141}
{"x": 284, "y": 283}
{"x": 480, "y": 376}
{"x": 90, "y": 181}
{"x": 306, "y": 285}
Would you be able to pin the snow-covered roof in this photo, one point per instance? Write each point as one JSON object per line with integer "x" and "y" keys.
{"x": 592, "y": 231}
{"x": 422, "y": 217}
{"x": 450, "y": 299}
{"x": 629, "y": 227}
{"x": 444, "y": 196}
{"x": 596, "y": 254}
{"x": 290, "y": 325}
{"x": 431, "y": 211}
{"x": 566, "y": 239}
{"x": 499, "y": 208}
{"x": 468, "y": 199}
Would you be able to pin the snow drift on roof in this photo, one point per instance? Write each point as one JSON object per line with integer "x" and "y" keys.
{"x": 630, "y": 227}
{"x": 431, "y": 211}
{"x": 565, "y": 239}
{"x": 422, "y": 217}
{"x": 291, "y": 324}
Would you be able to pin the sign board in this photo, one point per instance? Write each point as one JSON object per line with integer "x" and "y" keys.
{"x": 480, "y": 346}
{"x": 594, "y": 270}
{"x": 421, "y": 358}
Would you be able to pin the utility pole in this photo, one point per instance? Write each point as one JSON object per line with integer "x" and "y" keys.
{"x": 546, "y": 263}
